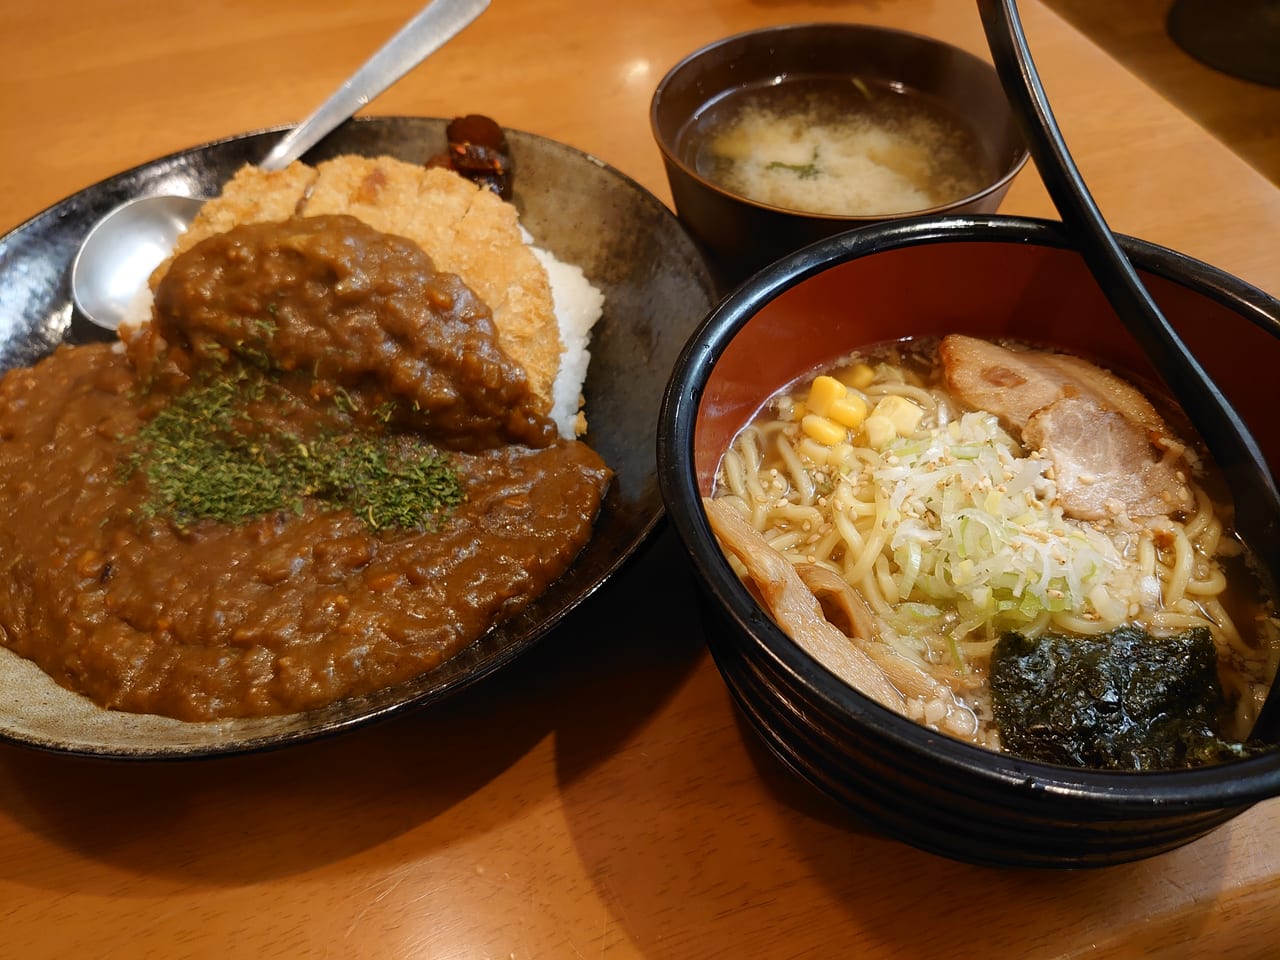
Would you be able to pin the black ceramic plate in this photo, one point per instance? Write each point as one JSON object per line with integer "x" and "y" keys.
{"x": 656, "y": 289}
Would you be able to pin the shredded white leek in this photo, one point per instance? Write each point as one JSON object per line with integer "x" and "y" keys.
{"x": 975, "y": 525}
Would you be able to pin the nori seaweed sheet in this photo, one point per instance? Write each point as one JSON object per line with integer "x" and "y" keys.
{"x": 1122, "y": 700}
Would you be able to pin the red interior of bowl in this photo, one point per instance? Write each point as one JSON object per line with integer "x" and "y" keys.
{"x": 1023, "y": 291}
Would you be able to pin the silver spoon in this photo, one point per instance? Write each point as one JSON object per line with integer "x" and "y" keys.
{"x": 120, "y": 251}
{"x": 1257, "y": 502}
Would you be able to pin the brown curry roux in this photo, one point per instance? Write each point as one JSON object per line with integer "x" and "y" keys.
{"x": 293, "y": 610}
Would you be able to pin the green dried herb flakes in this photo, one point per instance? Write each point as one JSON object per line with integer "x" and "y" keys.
{"x": 388, "y": 480}
{"x": 1123, "y": 700}
{"x": 205, "y": 458}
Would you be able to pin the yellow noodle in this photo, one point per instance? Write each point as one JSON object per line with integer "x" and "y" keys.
{"x": 1217, "y": 614}
{"x": 854, "y": 505}
{"x": 1177, "y": 561}
{"x": 870, "y": 544}
{"x": 921, "y": 396}
{"x": 1235, "y": 687}
{"x": 732, "y": 474}
{"x": 1199, "y": 521}
{"x": 1187, "y": 607}
{"x": 748, "y": 445}
{"x": 812, "y": 450}
{"x": 1039, "y": 625}
{"x": 801, "y": 482}
{"x": 870, "y": 591}
{"x": 1212, "y": 583}
{"x": 1211, "y": 544}
{"x": 1176, "y": 622}
{"x": 792, "y": 513}
{"x": 888, "y": 586}
{"x": 1071, "y": 623}
{"x": 750, "y": 454}
{"x": 783, "y": 541}
{"x": 1180, "y": 574}
{"x": 852, "y": 537}
{"x": 976, "y": 650}
{"x": 871, "y": 548}
{"x": 825, "y": 547}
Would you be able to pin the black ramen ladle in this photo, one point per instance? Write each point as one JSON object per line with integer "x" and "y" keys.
{"x": 1257, "y": 502}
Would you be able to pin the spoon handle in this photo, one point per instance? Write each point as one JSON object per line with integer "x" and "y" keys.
{"x": 434, "y": 26}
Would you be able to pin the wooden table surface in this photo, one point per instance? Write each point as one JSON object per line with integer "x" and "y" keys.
{"x": 600, "y": 798}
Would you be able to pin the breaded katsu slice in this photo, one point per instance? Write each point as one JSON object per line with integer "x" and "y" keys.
{"x": 253, "y": 195}
{"x": 466, "y": 230}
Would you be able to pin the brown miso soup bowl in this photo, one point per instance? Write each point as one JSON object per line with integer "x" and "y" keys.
{"x": 993, "y": 277}
{"x": 740, "y": 235}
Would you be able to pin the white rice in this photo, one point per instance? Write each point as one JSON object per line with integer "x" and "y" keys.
{"x": 578, "y": 305}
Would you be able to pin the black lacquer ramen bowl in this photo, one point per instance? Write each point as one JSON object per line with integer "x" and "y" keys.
{"x": 989, "y": 276}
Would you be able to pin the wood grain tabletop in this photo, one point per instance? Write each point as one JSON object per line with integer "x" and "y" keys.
{"x": 599, "y": 798}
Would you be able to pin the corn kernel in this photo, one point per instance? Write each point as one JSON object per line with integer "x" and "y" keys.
{"x": 850, "y": 410}
{"x": 823, "y": 430}
{"x": 859, "y": 376}
{"x": 822, "y": 393}
{"x": 904, "y": 414}
{"x": 879, "y": 430}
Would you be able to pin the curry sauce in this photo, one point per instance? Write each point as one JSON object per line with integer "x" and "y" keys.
{"x": 149, "y": 606}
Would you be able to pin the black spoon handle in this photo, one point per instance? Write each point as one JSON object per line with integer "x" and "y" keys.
{"x": 1228, "y": 438}
{"x": 1253, "y": 488}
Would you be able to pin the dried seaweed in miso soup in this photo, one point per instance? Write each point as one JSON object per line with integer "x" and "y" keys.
{"x": 1123, "y": 700}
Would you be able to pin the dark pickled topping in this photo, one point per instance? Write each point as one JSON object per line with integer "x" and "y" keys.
{"x": 1123, "y": 700}
{"x": 478, "y": 151}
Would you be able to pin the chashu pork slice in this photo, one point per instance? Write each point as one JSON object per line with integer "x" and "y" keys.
{"x": 1111, "y": 451}
{"x": 1103, "y": 462}
{"x": 1014, "y": 384}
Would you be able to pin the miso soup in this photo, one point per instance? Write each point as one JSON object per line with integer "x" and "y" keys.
{"x": 837, "y": 145}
